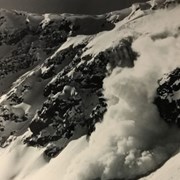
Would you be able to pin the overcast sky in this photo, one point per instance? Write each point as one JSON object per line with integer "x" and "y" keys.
{"x": 69, "y": 6}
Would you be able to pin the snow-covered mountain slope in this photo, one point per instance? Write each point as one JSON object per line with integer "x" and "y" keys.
{"x": 90, "y": 97}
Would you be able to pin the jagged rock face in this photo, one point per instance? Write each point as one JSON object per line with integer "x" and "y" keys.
{"x": 168, "y": 97}
{"x": 74, "y": 96}
{"x": 33, "y": 37}
{"x": 57, "y": 94}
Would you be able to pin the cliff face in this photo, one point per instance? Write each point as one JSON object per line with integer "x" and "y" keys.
{"x": 57, "y": 91}
{"x": 106, "y": 85}
{"x": 168, "y": 100}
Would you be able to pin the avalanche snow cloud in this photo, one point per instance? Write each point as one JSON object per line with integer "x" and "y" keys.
{"x": 132, "y": 140}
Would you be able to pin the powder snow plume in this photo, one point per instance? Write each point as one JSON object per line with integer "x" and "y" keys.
{"x": 133, "y": 139}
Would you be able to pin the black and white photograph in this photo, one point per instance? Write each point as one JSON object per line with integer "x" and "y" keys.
{"x": 89, "y": 90}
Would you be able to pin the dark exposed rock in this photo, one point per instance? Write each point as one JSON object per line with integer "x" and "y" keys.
{"x": 168, "y": 97}
{"x": 76, "y": 99}
{"x": 52, "y": 151}
{"x": 66, "y": 84}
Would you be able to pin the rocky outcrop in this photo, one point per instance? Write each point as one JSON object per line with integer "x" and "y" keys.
{"x": 58, "y": 81}
{"x": 168, "y": 97}
{"x": 74, "y": 95}
{"x": 57, "y": 91}
{"x": 31, "y": 39}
